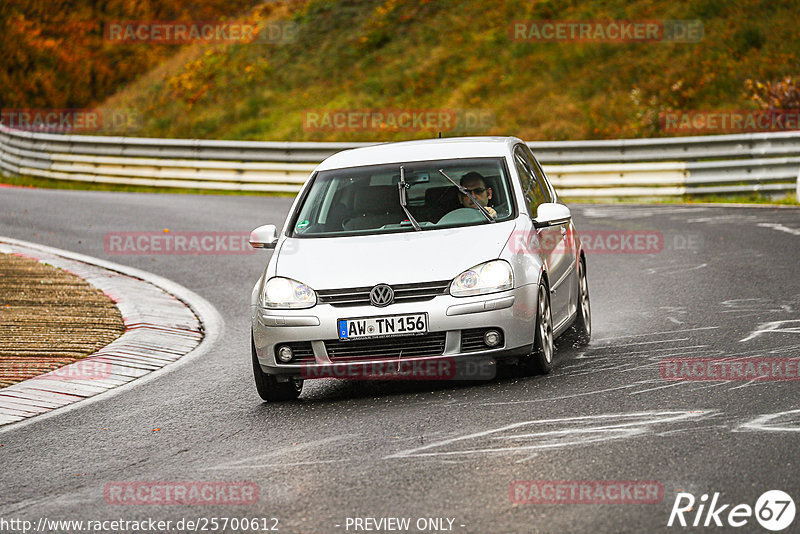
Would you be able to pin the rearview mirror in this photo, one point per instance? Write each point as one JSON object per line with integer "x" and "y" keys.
{"x": 416, "y": 177}
{"x": 551, "y": 214}
{"x": 264, "y": 236}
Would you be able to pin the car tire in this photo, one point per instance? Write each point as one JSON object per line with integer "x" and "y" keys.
{"x": 540, "y": 361}
{"x": 269, "y": 389}
{"x": 580, "y": 333}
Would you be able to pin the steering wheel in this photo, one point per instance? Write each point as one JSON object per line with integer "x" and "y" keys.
{"x": 462, "y": 216}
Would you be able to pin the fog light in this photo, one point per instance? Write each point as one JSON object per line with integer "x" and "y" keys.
{"x": 491, "y": 338}
{"x": 285, "y": 354}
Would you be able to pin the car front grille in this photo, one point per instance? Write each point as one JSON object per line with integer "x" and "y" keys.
{"x": 359, "y": 296}
{"x": 431, "y": 344}
{"x": 472, "y": 339}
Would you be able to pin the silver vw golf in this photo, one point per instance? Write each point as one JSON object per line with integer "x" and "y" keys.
{"x": 414, "y": 254}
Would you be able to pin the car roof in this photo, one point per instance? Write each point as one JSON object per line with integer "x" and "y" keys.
{"x": 421, "y": 150}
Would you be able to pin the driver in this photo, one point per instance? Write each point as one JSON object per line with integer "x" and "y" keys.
{"x": 475, "y": 184}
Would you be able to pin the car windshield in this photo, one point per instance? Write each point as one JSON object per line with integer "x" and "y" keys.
{"x": 365, "y": 200}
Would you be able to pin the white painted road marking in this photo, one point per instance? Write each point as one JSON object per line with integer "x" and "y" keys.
{"x": 780, "y": 228}
{"x": 788, "y": 421}
{"x": 774, "y": 327}
{"x": 657, "y": 333}
{"x": 579, "y": 431}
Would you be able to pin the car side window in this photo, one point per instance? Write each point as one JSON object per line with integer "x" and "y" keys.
{"x": 539, "y": 174}
{"x": 530, "y": 187}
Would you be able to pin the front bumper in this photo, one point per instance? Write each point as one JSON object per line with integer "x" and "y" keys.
{"x": 513, "y": 312}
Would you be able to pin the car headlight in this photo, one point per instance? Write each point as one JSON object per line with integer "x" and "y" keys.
{"x": 488, "y": 277}
{"x": 282, "y": 293}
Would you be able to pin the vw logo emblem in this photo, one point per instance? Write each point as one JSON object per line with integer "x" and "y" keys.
{"x": 381, "y": 295}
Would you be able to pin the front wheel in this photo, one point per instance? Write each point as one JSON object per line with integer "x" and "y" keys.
{"x": 540, "y": 361}
{"x": 268, "y": 386}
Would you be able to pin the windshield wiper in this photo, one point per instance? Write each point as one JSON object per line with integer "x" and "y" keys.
{"x": 466, "y": 192}
{"x": 402, "y": 186}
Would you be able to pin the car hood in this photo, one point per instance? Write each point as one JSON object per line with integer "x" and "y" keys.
{"x": 408, "y": 257}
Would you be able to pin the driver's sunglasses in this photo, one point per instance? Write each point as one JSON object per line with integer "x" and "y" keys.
{"x": 477, "y": 190}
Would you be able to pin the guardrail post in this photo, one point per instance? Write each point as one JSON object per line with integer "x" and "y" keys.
{"x": 797, "y": 187}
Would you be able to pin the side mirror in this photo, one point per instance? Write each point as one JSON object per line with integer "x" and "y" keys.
{"x": 264, "y": 236}
{"x": 551, "y": 214}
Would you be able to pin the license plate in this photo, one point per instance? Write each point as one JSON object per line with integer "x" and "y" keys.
{"x": 387, "y": 326}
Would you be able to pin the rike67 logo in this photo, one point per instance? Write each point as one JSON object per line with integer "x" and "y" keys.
{"x": 774, "y": 510}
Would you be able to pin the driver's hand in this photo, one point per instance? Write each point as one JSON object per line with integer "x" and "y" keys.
{"x": 491, "y": 211}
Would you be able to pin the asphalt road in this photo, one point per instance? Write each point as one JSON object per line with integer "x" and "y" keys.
{"x": 724, "y": 285}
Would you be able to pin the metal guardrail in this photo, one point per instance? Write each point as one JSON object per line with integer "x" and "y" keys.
{"x": 739, "y": 146}
{"x": 767, "y": 162}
